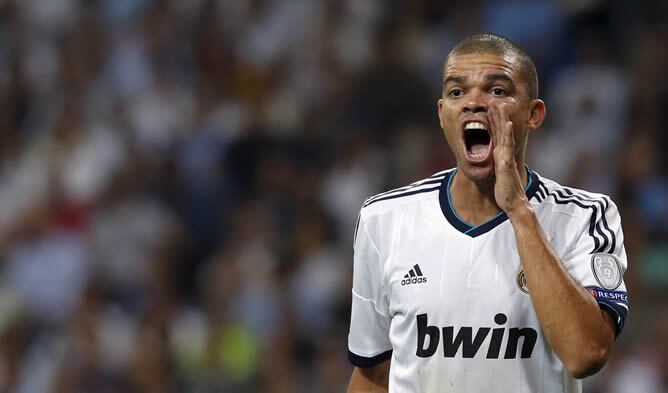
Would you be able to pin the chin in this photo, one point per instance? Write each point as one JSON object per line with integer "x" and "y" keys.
{"x": 478, "y": 174}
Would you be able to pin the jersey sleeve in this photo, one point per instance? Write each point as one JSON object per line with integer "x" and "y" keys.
{"x": 368, "y": 340}
{"x": 597, "y": 259}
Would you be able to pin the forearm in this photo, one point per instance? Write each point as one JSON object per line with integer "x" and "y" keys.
{"x": 578, "y": 331}
{"x": 370, "y": 380}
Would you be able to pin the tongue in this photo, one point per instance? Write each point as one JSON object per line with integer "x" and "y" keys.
{"x": 479, "y": 149}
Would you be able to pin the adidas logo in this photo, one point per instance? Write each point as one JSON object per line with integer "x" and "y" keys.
{"x": 414, "y": 276}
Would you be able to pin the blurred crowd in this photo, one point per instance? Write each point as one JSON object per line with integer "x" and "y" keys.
{"x": 180, "y": 179}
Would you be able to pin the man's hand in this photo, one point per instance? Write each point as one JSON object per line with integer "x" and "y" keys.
{"x": 508, "y": 189}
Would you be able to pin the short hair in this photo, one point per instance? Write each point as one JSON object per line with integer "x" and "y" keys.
{"x": 488, "y": 43}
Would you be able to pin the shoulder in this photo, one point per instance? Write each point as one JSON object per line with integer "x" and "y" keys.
{"x": 406, "y": 195}
{"x": 577, "y": 214}
{"x": 571, "y": 200}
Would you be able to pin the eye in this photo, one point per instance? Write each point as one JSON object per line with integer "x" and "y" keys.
{"x": 497, "y": 91}
{"x": 456, "y": 92}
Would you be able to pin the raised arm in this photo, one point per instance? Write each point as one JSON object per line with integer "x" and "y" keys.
{"x": 578, "y": 331}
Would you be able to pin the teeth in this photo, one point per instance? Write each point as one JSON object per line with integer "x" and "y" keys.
{"x": 475, "y": 125}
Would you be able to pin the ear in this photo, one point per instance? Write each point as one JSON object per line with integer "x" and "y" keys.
{"x": 537, "y": 114}
{"x": 440, "y": 107}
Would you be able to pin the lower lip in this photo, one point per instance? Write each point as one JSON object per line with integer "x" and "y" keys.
{"x": 479, "y": 159}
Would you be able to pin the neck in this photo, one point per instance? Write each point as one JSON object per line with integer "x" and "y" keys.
{"x": 473, "y": 200}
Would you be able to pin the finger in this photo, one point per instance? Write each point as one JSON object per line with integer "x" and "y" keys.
{"x": 506, "y": 126}
{"x": 499, "y": 119}
{"x": 494, "y": 123}
{"x": 502, "y": 154}
{"x": 508, "y": 136}
{"x": 503, "y": 112}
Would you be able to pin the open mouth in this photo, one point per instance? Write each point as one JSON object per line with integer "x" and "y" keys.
{"x": 478, "y": 140}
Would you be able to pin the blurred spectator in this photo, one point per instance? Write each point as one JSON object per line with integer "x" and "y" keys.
{"x": 180, "y": 180}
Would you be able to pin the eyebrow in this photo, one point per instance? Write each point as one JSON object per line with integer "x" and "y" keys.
{"x": 454, "y": 79}
{"x": 499, "y": 77}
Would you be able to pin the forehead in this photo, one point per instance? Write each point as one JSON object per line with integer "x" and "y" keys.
{"x": 477, "y": 65}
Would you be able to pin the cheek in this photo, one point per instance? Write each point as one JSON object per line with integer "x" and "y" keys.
{"x": 451, "y": 136}
{"x": 447, "y": 116}
{"x": 518, "y": 114}
{"x": 449, "y": 128}
{"x": 520, "y": 135}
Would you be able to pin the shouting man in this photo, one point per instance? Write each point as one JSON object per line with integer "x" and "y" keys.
{"x": 486, "y": 277}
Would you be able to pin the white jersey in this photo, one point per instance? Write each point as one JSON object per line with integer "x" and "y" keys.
{"x": 447, "y": 301}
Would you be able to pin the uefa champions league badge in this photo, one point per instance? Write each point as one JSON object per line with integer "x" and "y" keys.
{"x": 607, "y": 270}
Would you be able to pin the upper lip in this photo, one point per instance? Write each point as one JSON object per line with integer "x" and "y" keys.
{"x": 476, "y": 119}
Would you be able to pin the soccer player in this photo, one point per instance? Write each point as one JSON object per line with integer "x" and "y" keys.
{"x": 487, "y": 277}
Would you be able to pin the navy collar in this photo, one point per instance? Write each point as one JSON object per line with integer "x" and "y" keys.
{"x": 477, "y": 230}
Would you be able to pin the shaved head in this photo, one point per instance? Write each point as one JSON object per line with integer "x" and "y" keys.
{"x": 493, "y": 44}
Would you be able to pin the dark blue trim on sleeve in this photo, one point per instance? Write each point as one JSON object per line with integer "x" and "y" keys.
{"x": 364, "y": 362}
{"x": 616, "y": 317}
{"x": 614, "y": 302}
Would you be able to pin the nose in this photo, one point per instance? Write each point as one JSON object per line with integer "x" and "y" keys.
{"x": 475, "y": 103}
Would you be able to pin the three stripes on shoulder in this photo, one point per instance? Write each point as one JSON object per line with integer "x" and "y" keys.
{"x": 429, "y": 184}
{"x": 603, "y": 236}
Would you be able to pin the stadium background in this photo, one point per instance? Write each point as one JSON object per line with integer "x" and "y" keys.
{"x": 179, "y": 179}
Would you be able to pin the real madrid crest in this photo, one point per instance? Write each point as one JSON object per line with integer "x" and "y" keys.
{"x": 607, "y": 270}
{"x": 522, "y": 282}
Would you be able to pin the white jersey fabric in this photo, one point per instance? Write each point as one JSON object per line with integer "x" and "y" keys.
{"x": 447, "y": 301}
